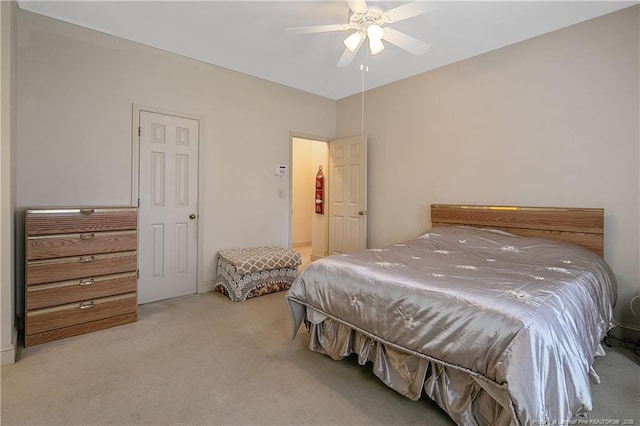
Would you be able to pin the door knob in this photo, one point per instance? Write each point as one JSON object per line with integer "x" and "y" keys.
{"x": 192, "y": 216}
{"x": 362, "y": 212}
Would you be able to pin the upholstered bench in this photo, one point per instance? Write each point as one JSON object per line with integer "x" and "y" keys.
{"x": 250, "y": 272}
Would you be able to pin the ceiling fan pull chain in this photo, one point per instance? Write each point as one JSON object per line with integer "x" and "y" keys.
{"x": 363, "y": 68}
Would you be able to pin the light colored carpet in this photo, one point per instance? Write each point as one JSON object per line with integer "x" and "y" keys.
{"x": 204, "y": 360}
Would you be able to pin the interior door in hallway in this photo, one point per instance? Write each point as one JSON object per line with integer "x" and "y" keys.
{"x": 168, "y": 201}
{"x": 347, "y": 195}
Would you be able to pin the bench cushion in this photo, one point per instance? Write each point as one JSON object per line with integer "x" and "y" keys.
{"x": 255, "y": 259}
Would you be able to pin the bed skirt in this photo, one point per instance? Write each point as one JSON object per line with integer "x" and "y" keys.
{"x": 467, "y": 398}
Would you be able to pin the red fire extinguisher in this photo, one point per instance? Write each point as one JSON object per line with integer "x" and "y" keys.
{"x": 319, "y": 200}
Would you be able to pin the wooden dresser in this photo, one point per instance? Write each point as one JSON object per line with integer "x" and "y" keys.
{"x": 81, "y": 271}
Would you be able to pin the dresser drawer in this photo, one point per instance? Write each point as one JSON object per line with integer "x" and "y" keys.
{"x": 68, "y": 268}
{"x": 60, "y": 293}
{"x": 41, "y": 320}
{"x": 46, "y": 247}
{"x": 66, "y": 221}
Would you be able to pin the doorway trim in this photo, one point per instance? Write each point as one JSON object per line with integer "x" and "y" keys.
{"x": 135, "y": 175}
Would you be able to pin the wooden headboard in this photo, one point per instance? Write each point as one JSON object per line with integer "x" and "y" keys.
{"x": 580, "y": 226}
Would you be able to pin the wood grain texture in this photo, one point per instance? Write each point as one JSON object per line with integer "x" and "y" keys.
{"x": 60, "y": 293}
{"x": 75, "y": 330}
{"x": 580, "y": 226}
{"x": 80, "y": 271}
{"x": 48, "y": 319}
{"x": 52, "y": 246}
{"x": 66, "y": 221}
{"x": 68, "y": 268}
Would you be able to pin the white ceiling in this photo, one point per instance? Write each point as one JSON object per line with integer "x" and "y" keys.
{"x": 249, "y": 36}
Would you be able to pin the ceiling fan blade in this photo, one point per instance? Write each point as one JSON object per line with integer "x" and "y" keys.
{"x": 358, "y": 6}
{"x": 404, "y": 41}
{"x": 409, "y": 10}
{"x": 318, "y": 29}
{"x": 346, "y": 58}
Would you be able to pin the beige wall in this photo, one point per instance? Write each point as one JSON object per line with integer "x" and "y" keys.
{"x": 8, "y": 333}
{"x": 302, "y": 182}
{"x": 552, "y": 121}
{"x": 76, "y": 89}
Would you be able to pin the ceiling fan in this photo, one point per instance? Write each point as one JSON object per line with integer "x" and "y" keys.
{"x": 370, "y": 23}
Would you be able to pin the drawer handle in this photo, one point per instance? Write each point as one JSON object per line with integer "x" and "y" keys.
{"x": 86, "y": 305}
{"x": 87, "y": 212}
{"x": 86, "y": 259}
{"x": 85, "y": 283}
{"x": 87, "y": 236}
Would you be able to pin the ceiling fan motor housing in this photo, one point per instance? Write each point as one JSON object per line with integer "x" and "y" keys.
{"x": 362, "y": 21}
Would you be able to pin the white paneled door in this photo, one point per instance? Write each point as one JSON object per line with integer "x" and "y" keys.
{"x": 347, "y": 195}
{"x": 168, "y": 192}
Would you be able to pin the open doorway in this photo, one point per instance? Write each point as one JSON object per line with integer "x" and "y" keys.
{"x": 309, "y": 230}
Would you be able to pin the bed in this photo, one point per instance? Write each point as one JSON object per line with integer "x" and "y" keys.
{"x": 496, "y": 313}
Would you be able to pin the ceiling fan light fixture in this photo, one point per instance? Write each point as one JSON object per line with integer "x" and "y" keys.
{"x": 375, "y": 46}
{"x": 375, "y": 32}
{"x": 353, "y": 41}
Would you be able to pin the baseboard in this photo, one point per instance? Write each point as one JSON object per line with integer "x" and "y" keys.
{"x": 205, "y": 287}
{"x": 630, "y": 327}
{"x": 316, "y": 257}
{"x": 8, "y": 354}
{"x": 301, "y": 243}
{"x": 626, "y": 331}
